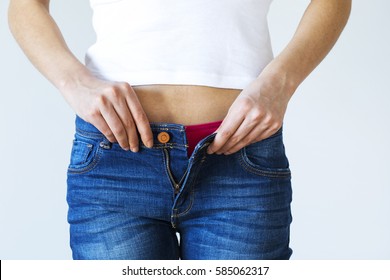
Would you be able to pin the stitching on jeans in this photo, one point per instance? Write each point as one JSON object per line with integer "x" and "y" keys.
{"x": 257, "y": 171}
{"x": 166, "y": 145}
{"x": 94, "y": 135}
{"x": 99, "y": 135}
{"x": 243, "y": 160}
{"x": 191, "y": 192}
{"x": 166, "y": 128}
{"x": 169, "y": 145}
{"x": 90, "y": 166}
{"x": 266, "y": 173}
{"x": 164, "y": 159}
{"x": 191, "y": 203}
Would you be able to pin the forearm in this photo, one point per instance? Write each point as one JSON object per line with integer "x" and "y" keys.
{"x": 259, "y": 110}
{"x": 316, "y": 34}
{"x": 41, "y": 40}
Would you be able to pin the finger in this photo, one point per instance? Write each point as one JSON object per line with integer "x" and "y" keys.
{"x": 103, "y": 127}
{"x": 140, "y": 119}
{"x": 124, "y": 114}
{"x": 114, "y": 122}
{"x": 227, "y": 128}
{"x": 254, "y": 136}
{"x": 246, "y": 127}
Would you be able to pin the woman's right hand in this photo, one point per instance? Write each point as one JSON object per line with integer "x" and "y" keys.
{"x": 113, "y": 108}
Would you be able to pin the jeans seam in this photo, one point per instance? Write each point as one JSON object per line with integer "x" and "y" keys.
{"x": 94, "y": 135}
{"x": 191, "y": 190}
{"x": 166, "y": 166}
{"x": 90, "y": 166}
{"x": 168, "y": 145}
{"x": 191, "y": 203}
{"x": 257, "y": 171}
{"x": 166, "y": 128}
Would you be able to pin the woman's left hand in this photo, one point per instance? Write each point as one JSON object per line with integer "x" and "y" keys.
{"x": 259, "y": 110}
{"x": 256, "y": 114}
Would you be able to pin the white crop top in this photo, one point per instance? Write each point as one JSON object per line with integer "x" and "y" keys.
{"x": 217, "y": 43}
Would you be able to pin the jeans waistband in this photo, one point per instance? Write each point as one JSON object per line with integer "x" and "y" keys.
{"x": 176, "y": 132}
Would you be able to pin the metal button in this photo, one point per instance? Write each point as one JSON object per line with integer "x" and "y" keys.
{"x": 163, "y": 137}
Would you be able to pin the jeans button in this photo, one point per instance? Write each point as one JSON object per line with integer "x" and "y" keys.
{"x": 163, "y": 137}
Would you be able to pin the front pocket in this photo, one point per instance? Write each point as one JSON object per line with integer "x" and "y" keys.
{"x": 85, "y": 154}
{"x": 266, "y": 157}
{"x": 81, "y": 152}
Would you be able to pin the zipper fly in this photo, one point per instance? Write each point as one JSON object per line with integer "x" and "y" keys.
{"x": 176, "y": 185}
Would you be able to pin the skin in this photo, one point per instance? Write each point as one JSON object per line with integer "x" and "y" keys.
{"x": 258, "y": 111}
{"x": 115, "y": 109}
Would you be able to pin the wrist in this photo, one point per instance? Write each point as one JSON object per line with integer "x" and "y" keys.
{"x": 275, "y": 78}
{"x": 73, "y": 78}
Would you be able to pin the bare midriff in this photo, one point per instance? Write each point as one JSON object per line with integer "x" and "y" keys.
{"x": 185, "y": 104}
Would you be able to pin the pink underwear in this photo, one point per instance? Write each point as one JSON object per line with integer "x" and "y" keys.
{"x": 197, "y": 132}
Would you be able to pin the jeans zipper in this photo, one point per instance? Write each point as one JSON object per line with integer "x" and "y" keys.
{"x": 176, "y": 185}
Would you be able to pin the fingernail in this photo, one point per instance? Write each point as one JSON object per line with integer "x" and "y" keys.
{"x": 150, "y": 144}
{"x": 135, "y": 149}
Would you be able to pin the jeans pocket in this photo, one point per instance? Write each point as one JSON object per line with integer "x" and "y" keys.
{"x": 266, "y": 157}
{"x": 85, "y": 154}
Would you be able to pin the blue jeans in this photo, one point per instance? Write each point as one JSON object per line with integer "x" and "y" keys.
{"x": 125, "y": 205}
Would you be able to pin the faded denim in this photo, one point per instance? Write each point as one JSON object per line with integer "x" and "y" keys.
{"x": 125, "y": 205}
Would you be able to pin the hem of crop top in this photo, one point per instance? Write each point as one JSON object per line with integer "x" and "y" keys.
{"x": 184, "y": 78}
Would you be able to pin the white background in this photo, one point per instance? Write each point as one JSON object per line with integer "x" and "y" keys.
{"x": 336, "y": 135}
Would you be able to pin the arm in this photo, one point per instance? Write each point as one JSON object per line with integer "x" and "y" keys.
{"x": 112, "y": 107}
{"x": 259, "y": 110}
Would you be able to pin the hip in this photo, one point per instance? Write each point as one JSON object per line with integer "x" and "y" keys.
{"x": 115, "y": 196}
{"x": 163, "y": 178}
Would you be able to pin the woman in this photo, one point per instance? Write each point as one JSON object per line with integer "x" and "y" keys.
{"x": 179, "y": 113}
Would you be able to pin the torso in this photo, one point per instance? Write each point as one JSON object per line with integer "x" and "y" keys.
{"x": 139, "y": 44}
{"x": 185, "y": 104}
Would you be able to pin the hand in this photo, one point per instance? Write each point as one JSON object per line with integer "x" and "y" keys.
{"x": 256, "y": 114}
{"x": 114, "y": 109}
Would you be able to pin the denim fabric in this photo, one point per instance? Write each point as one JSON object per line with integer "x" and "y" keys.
{"x": 125, "y": 205}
